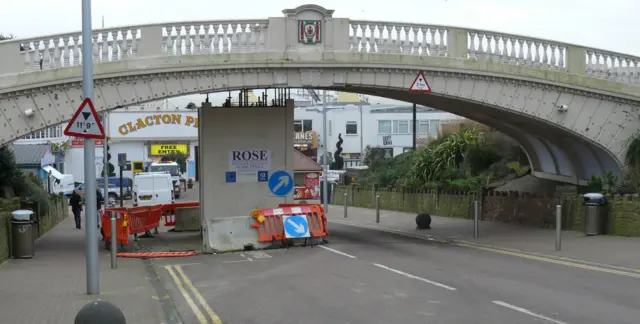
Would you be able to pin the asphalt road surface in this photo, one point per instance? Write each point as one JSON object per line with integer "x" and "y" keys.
{"x": 369, "y": 277}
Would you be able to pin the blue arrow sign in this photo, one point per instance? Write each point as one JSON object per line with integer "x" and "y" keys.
{"x": 296, "y": 226}
{"x": 280, "y": 183}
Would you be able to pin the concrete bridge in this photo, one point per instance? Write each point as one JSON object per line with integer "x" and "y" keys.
{"x": 573, "y": 109}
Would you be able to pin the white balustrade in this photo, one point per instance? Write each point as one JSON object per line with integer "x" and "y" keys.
{"x": 400, "y": 38}
{"x": 115, "y": 44}
{"x": 516, "y": 50}
{"x": 234, "y": 36}
{"x": 612, "y": 66}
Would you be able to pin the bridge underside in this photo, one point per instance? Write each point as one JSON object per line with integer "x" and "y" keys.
{"x": 590, "y": 139}
{"x": 554, "y": 154}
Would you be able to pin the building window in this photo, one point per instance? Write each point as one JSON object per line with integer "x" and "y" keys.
{"x": 352, "y": 128}
{"x": 304, "y": 125}
{"x": 423, "y": 127}
{"x": 384, "y": 127}
{"x": 330, "y": 131}
{"x": 297, "y": 126}
{"x": 433, "y": 127}
{"x": 401, "y": 127}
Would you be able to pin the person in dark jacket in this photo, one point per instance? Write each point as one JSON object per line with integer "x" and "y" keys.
{"x": 99, "y": 201}
{"x": 76, "y": 207}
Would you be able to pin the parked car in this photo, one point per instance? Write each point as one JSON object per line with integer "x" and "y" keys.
{"x": 127, "y": 185}
{"x": 112, "y": 197}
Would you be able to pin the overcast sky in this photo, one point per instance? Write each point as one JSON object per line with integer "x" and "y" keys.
{"x": 611, "y": 25}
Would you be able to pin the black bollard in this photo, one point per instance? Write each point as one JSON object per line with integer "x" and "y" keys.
{"x": 423, "y": 221}
{"x": 100, "y": 312}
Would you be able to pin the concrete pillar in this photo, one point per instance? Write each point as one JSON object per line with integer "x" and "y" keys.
{"x": 226, "y": 205}
{"x": 576, "y": 60}
{"x": 457, "y": 43}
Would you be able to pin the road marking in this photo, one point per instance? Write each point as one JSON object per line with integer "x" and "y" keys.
{"x": 337, "y": 252}
{"x": 238, "y": 261}
{"x": 214, "y": 317}
{"x": 177, "y": 264}
{"x": 528, "y": 312}
{"x": 503, "y": 251}
{"x": 186, "y": 296}
{"x": 408, "y": 275}
{"x": 554, "y": 261}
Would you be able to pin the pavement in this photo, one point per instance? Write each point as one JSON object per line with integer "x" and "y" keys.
{"x": 51, "y": 287}
{"x": 612, "y": 251}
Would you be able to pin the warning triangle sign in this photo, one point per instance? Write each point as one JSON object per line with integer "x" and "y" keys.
{"x": 85, "y": 122}
{"x": 420, "y": 84}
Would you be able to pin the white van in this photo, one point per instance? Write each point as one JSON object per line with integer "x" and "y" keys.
{"x": 152, "y": 188}
{"x": 61, "y": 183}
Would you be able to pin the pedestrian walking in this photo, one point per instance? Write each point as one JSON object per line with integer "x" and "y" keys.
{"x": 76, "y": 207}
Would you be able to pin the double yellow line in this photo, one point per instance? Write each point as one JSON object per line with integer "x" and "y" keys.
{"x": 186, "y": 287}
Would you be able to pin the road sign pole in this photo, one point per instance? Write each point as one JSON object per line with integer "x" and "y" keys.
{"x": 325, "y": 164}
{"x": 91, "y": 218}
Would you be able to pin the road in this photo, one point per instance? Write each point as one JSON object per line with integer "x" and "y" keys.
{"x": 367, "y": 276}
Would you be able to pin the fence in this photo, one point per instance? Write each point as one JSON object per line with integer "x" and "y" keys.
{"x": 508, "y": 207}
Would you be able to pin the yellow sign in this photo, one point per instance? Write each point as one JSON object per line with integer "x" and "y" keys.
{"x": 164, "y": 149}
{"x": 158, "y": 119}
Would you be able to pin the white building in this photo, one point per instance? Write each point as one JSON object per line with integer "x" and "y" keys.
{"x": 389, "y": 126}
{"x": 147, "y": 132}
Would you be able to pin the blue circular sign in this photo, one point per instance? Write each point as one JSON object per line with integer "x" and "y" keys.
{"x": 280, "y": 183}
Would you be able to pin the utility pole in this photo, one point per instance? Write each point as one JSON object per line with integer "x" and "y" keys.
{"x": 414, "y": 127}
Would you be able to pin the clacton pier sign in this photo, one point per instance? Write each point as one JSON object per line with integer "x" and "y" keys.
{"x": 150, "y": 125}
{"x": 156, "y": 120}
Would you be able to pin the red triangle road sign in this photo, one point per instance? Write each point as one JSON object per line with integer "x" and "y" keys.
{"x": 85, "y": 122}
{"x": 420, "y": 84}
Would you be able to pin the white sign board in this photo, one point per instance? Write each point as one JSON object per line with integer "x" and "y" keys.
{"x": 246, "y": 176}
{"x": 249, "y": 160}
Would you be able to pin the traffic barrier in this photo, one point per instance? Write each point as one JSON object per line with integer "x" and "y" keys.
{"x": 317, "y": 220}
{"x": 169, "y": 211}
{"x": 269, "y": 221}
{"x": 122, "y": 225}
{"x": 143, "y": 219}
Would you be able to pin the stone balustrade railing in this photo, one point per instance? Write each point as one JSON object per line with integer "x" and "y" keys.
{"x": 212, "y": 37}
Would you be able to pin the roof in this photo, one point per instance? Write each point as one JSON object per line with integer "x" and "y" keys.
{"x": 303, "y": 163}
{"x": 29, "y": 154}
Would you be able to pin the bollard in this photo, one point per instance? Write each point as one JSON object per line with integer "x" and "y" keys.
{"x": 476, "y": 219}
{"x": 100, "y": 312}
{"x": 114, "y": 241}
{"x": 558, "y": 227}
{"x": 345, "y": 205}
{"x": 377, "y": 208}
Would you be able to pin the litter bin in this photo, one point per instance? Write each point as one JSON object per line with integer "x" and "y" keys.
{"x": 595, "y": 214}
{"x": 22, "y": 239}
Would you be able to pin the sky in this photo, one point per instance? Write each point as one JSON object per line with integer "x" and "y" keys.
{"x": 610, "y": 25}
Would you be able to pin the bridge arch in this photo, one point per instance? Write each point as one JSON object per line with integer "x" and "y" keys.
{"x": 560, "y": 146}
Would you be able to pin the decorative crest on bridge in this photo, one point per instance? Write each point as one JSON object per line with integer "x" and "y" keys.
{"x": 309, "y": 31}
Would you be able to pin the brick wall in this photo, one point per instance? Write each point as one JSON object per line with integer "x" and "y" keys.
{"x": 58, "y": 211}
{"x": 508, "y": 207}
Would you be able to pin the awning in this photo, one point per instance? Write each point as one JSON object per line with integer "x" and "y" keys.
{"x": 52, "y": 171}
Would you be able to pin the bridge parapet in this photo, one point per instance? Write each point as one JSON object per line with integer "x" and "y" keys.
{"x": 333, "y": 35}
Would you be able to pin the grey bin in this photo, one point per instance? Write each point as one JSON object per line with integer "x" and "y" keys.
{"x": 22, "y": 240}
{"x": 596, "y": 214}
